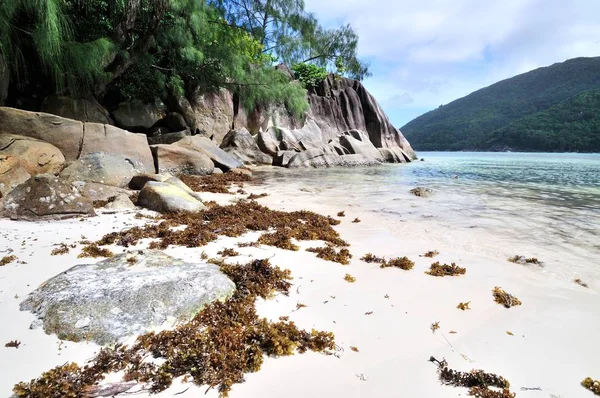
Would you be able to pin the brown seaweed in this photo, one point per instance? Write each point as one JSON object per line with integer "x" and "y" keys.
{"x": 329, "y": 253}
{"x": 399, "y": 262}
{"x": 464, "y": 306}
{"x": 441, "y": 270}
{"x": 215, "y": 183}
{"x": 7, "y": 260}
{"x": 228, "y": 252}
{"x": 12, "y": 344}
{"x": 592, "y": 385}
{"x": 349, "y": 278}
{"x": 504, "y": 298}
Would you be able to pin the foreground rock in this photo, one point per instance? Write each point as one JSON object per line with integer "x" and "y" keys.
{"x": 164, "y": 197}
{"x": 178, "y": 159}
{"x": 45, "y": 197}
{"x": 220, "y": 158}
{"x": 103, "y": 168}
{"x": 12, "y": 174}
{"x": 126, "y": 295}
{"x": 35, "y": 156}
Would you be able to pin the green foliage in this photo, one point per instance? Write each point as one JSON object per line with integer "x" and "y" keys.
{"x": 309, "y": 75}
{"x": 548, "y": 109}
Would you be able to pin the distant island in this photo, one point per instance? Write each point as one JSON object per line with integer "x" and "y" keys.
{"x": 550, "y": 109}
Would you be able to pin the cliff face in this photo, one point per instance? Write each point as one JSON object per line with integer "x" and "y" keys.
{"x": 340, "y": 104}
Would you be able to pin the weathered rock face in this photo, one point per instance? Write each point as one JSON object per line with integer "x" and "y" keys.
{"x": 210, "y": 115}
{"x": 220, "y": 158}
{"x": 164, "y": 197}
{"x": 341, "y": 104}
{"x": 137, "y": 116}
{"x": 74, "y": 138}
{"x": 169, "y": 138}
{"x": 242, "y": 146}
{"x": 120, "y": 202}
{"x": 103, "y": 168}
{"x": 12, "y": 174}
{"x": 35, "y": 156}
{"x": 82, "y": 109}
{"x": 111, "y": 300}
{"x": 45, "y": 197}
{"x": 178, "y": 159}
{"x": 95, "y": 191}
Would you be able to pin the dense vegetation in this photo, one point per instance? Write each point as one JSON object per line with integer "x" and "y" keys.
{"x": 548, "y": 109}
{"x": 151, "y": 49}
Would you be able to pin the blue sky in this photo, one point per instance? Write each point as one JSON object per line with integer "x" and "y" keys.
{"x": 425, "y": 53}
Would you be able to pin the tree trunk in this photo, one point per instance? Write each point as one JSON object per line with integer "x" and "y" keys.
{"x": 4, "y": 80}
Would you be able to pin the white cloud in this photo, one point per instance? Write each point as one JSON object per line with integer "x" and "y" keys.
{"x": 435, "y": 51}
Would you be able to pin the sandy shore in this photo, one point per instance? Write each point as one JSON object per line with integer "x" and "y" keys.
{"x": 386, "y": 314}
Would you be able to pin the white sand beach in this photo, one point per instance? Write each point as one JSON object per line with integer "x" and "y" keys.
{"x": 386, "y": 314}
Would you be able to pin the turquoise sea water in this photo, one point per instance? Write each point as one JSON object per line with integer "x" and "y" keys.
{"x": 495, "y": 204}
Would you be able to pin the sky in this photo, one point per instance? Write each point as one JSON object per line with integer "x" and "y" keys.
{"x": 427, "y": 53}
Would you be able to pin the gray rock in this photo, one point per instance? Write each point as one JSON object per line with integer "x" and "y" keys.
{"x": 103, "y": 168}
{"x": 139, "y": 182}
{"x": 95, "y": 191}
{"x": 137, "y": 116}
{"x": 282, "y": 158}
{"x": 169, "y": 138}
{"x": 220, "y": 158}
{"x": 45, "y": 197}
{"x": 112, "y": 300}
{"x": 12, "y": 174}
{"x": 158, "y": 131}
{"x": 358, "y": 147}
{"x": 164, "y": 197}
{"x": 178, "y": 159}
{"x": 421, "y": 192}
{"x": 241, "y": 145}
{"x": 120, "y": 202}
{"x": 82, "y": 109}
{"x": 267, "y": 142}
{"x": 174, "y": 121}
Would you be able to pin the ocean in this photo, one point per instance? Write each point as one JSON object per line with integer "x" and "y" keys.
{"x": 492, "y": 204}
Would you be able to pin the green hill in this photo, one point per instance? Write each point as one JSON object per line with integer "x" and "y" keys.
{"x": 535, "y": 111}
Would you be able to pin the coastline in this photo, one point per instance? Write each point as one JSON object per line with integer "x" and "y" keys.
{"x": 549, "y": 348}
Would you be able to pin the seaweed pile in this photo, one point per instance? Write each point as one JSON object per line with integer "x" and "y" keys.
{"x": 592, "y": 385}
{"x": 233, "y": 221}
{"x": 228, "y": 252}
{"x": 478, "y": 381}
{"x": 522, "y": 260}
{"x": 215, "y": 183}
{"x": 502, "y": 297}
{"x": 222, "y": 343}
{"x": 398, "y": 262}
{"x": 438, "y": 269}
{"x": 431, "y": 254}
{"x": 7, "y": 260}
{"x": 330, "y": 254}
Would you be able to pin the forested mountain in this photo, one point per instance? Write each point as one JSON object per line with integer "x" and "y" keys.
{"x": 549, "y": 109}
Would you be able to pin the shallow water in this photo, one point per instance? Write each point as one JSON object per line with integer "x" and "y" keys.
{"x": 493, "y": 204}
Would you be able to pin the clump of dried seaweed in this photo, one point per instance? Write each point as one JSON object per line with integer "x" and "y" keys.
{"x": 502, "y": 297}
{"x": 228, "y": 252}
{"x": 329, "y": 253}
{"x": 371, "y": 258}
{"x": 353, "y": 348}
{"x": 94, "y": 251}
{"x": 233, "y": 221}
{"x": 341, "y": 214}
{"x": 349, "y": 278}
{"x": 480, "y": 383}
{"x": 431, "y": 254}
{"x": 592, "y": 385}
{"x": 215, "y": 349}
{"x": 438, "y": 269}
{"x": 216, "y": 183}
{"x": 580, "y": 282}
{"x": 248, "y": 244}
{"x": 464, "y": 306}
{"x": 7, "y": 260}
{"x": 356, "y": 220}
{"x": 61, "y": 249}
{"x": 103, "y": 202}
{"x": 253, "y": 196}
{"x": 132, "y": 260}
{"x": 399, "y": 262}
{"x": 522, "y": 260}
{"x": 12, "y": 344}
{"x": 434, "y": 327}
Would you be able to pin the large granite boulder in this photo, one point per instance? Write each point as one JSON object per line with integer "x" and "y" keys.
{"x": 45, "y": 197}
{"x": 178, "y": 159}
{"x": 82, "y": 109}
{"x": 137, "y": 116}
{"x": 220, "y": 158}
{"x": 74, "y": 138}
{"x": 96, "y": 191}
{"x": 210, "y": 115}
{"x": 103, "y": 168}
{"x": 35, "y": 156}
{"x": 12, "y": 174}
{"x": 358, "y": 147}
{"x": 242, "y": 146}
{"x": 114, "y": 299}
{"x": 268, "y": 142}
{"x": 165, "y": 197}
{"x": 168, "y": 138}
{"x": 327, "y": 156}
